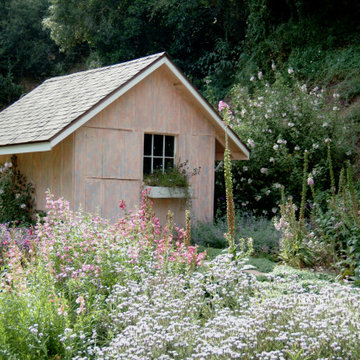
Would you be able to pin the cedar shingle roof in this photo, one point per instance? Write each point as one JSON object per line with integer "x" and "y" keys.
{"x": 57, "y": 102}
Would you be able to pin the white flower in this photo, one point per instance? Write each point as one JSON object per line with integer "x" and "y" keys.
{"x": 271, "y": 159}
{"x": 291, "y": 124}
{"x": 17, "y": 195}
{"x": 1, "y": 191}
{"x": 245, "y": 168}
{"x": 260, "y": 75}
{"x": 297, "y": 148}
{"x": 243, "y": 112}
{"x": 257, "y": 198}
{"x": 348, "y": 153}
{"x": 315, "y": 146}
{"x": 277, "y": 186}
{"x": 327, "y": 140}
{"x": 290, "y": 71}
{"x": 279, "y": 141}
{"x": 276, "y": 147}
{"x": 252, "y": 78}
{"x": 274, "y": 210}
{"x": 325, "y": 124}
{"x": 336, "y": 95}
{"x": 23, "y": 206}
{"x": 273, "y": 66}
{"x": 335, "y": 108}
{"x": 269, "y": 131}
{"x": 268, "y": 192}
{"x": 264, "y": 170}
{"x": 249, "y": 181}
{"x": 251, "y": 143}
{"x": 283, "y": 114}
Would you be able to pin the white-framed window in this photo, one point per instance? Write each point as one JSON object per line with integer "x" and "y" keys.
{"x": 159, "y": 152}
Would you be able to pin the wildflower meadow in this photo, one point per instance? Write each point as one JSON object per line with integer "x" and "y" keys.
{"x": 76, "y": 287}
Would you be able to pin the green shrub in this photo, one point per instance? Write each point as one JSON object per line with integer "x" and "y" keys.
{"x": 260, "y": 229}
{"x": 266, "y": 238}
{"x": 330, "y": 237}
{"x": 338, "y": 226}
{"x": 209, "y": 234}
{"x": 16, "y": 195}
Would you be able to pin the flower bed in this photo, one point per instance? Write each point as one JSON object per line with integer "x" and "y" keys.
{"x": 82, "y": 289}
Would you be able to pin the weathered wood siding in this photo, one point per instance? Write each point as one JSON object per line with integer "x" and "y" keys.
{"x": 49, "y": 170}
{"x": 109, "y": 148}
{"x": 101, "y": 163}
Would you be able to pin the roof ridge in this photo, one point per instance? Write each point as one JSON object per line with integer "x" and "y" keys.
{"x": 104, "y": 68}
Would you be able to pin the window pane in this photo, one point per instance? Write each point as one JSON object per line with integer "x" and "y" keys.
{"x": 147, "y": 165}
{"x": 169, "y": 145}
{"x": 147, "y": 144}
{"x": 169, "y": 163}
{"x": 158, "y": 164}
{"x": 158, "y": 145}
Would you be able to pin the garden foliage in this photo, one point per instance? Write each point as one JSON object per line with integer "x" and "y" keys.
{"x": 176, "y": 176}
{"x": 218, "y": 312}
{"x": 79, "y": 288}
{"x": 70, "y": 264}
{"x": 278, "y": 122}
{"x": 259, "y": 228}
{"x": 16, "y": 195}
{"x": 329, "y": 235}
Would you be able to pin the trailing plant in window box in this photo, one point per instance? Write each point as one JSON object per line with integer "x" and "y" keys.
{"x": 16, "y": 195}
{"x": 176, "y": 176}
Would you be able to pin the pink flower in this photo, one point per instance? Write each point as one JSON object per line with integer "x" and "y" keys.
{"x": 310, "y": 180}
{"x": 223, "y": 105}
{"x": 122, "y": 204}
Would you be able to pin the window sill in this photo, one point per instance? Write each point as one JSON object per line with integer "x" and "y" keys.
{"x": 162, "y": 192}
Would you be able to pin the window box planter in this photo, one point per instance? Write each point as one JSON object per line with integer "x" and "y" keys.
{"x": 162, "y": 192}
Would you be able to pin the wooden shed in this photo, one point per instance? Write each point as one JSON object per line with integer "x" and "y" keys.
{"x": 89, "y": 136}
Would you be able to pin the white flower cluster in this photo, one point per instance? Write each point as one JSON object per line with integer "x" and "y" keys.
{"x": 224, "y": 313}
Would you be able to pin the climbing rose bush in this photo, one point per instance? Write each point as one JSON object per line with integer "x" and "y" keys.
{"x": 278, "y": 122}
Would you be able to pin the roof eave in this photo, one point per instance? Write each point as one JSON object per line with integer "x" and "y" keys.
{"x": 25, "y": 148}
